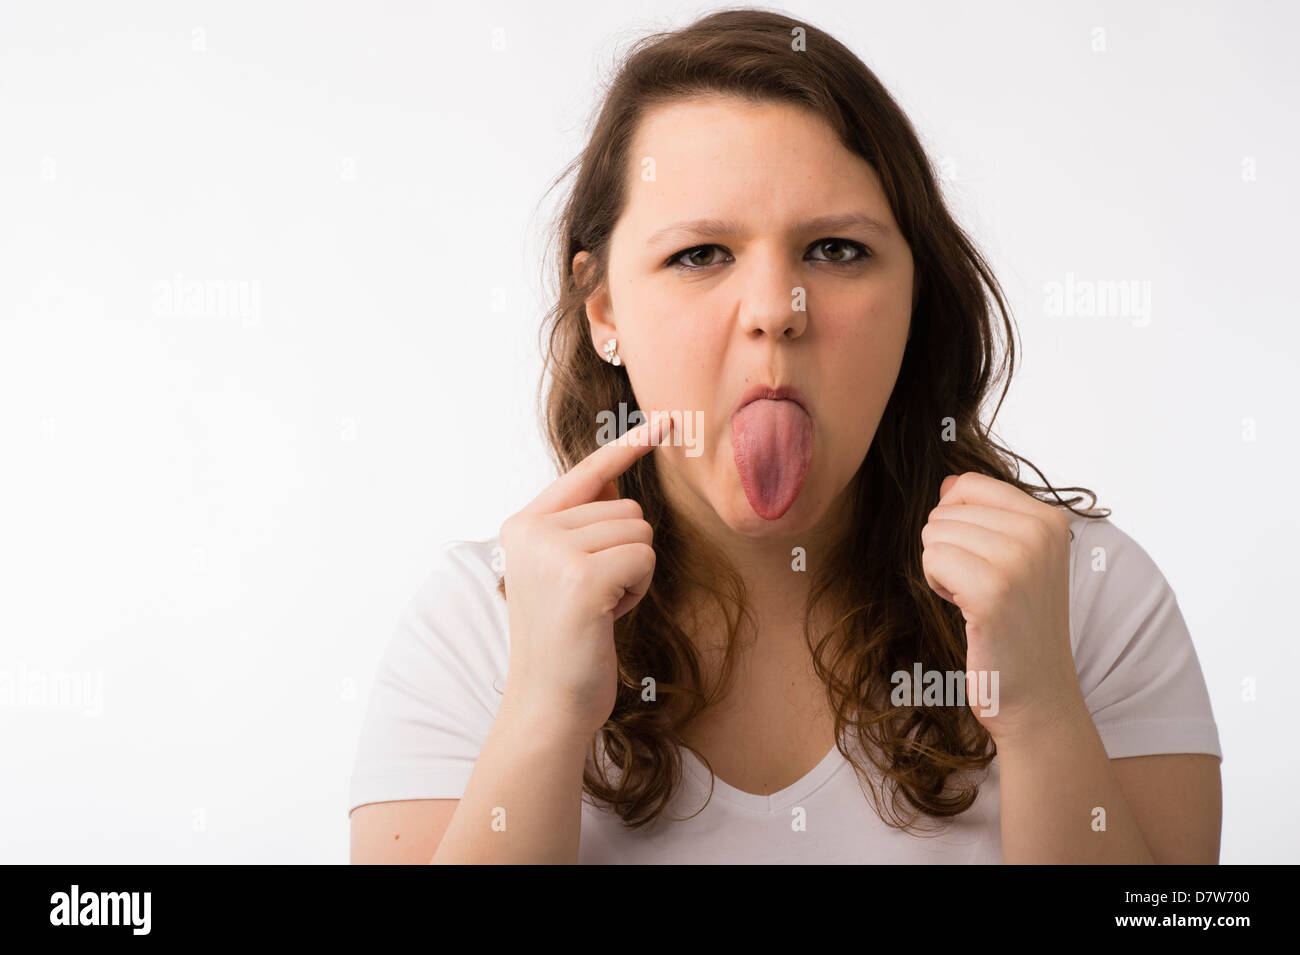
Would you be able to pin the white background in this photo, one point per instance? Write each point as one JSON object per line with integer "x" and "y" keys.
{"x": 219, "y": 507}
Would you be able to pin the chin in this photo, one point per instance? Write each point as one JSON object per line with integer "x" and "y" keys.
{"x": 802, "y": 515}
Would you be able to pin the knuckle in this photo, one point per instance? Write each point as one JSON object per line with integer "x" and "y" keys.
{"x": 1018, "y": 554}
{"x": 506, "y": 532}
{"x": 1050, "y": 531}
{"x": 515, "y": 527}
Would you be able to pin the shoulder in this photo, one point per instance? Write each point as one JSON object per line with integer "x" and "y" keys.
{"x": 1134, "y": 655}
{"x": 1109, "y": 569}
{"x": 462, "y": 573}
{"x": 439, "y": 684}
{"x": 456, "y": 614}
{"x": 1114, "y": 584}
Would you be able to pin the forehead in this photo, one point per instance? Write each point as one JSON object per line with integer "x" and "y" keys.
{"x": 723, "y": 154}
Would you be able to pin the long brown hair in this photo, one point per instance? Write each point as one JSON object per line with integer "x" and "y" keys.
{"x": 886, "y": 616}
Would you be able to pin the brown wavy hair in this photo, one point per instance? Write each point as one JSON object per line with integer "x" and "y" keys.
{"x": 886, "y": 616}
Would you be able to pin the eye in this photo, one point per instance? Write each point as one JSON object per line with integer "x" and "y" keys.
{"x": 691, "y": 254}
{"x": 843, "y": 252}
{"x": 846, "y": 251}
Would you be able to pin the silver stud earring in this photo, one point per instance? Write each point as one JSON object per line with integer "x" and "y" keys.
{"x": 611, "y": 352}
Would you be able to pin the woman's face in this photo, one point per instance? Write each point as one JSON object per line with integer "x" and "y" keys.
{"x": 703, "y": 312}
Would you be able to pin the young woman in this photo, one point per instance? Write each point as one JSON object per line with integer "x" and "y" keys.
{"x": 810, "y": 613}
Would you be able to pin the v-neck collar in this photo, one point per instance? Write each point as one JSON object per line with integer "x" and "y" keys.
{"x": 783, "y": 799}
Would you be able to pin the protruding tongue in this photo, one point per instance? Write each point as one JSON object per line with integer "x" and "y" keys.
{"x": 772, "y": 440}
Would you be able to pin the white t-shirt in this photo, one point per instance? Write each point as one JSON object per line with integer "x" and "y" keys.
{"x": 439, "y": 686}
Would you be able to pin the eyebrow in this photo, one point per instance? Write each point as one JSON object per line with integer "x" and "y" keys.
{"x": 722, "y": 227}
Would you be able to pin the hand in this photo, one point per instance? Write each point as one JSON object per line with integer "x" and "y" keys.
{"x": 576, "y": 559}
{"x": 1003, "y": 557}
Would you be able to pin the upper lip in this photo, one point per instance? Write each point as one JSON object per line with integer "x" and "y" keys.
{"x": 788, "y": 392}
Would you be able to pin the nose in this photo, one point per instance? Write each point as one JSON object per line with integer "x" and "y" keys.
{"x": 774, "y": 304}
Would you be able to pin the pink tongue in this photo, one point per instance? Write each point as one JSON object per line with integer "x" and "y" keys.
{"x": 773, "y": 447}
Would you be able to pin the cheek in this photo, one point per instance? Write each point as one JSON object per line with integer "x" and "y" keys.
{"x": 867, "y": 361}
{"x": 862, "y": 346}
{"x": 688, "y": 347}
{"x": 679, "y": 358}
{"x": 872, "y": 329}
{"x": 858, "y": 371}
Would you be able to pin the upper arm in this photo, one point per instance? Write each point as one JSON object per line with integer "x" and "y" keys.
{"x": 434, "y": 700}
{"x": 1145, "y": 691}
{"x": 403, "y": 832}
{"x": 1177, "y": 801}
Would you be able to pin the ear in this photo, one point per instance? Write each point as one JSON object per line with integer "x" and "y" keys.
{"x": 600, "y": 316}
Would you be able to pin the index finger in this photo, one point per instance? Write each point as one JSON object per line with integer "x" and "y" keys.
{"x": 587, "y": 479}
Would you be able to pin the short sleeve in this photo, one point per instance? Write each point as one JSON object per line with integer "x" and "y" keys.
{"x": 1137, "y": 666}
{"x": 439, "y": 683}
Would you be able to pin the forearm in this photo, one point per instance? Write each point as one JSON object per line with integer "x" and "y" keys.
{"x": 1052, "y": 784}
{"x": 522, "y": 804}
